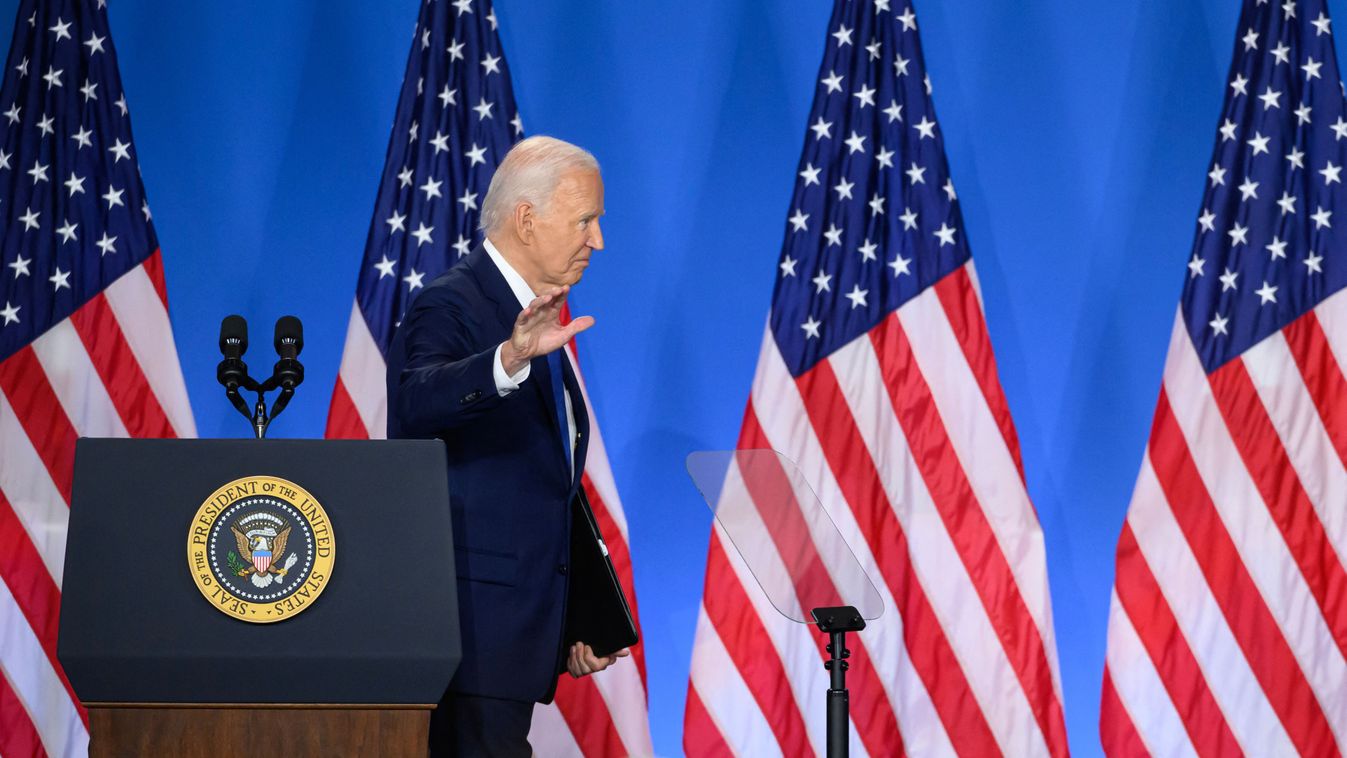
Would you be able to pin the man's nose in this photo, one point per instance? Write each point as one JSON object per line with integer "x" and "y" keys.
{"x": 595, "y": 240}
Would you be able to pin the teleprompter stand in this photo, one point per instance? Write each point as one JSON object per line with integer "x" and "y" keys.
{"x": 164, "y": 673}
{"x": 766, "y": 509}
{"x": 836, "y": 622}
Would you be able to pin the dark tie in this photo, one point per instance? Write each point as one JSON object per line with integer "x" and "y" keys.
{"x": 559, "y": 395}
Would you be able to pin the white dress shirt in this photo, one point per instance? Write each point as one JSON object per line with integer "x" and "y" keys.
{"x": 505, "y": 383}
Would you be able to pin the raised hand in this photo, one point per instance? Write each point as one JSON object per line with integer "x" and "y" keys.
{"x": 538, "y": 330}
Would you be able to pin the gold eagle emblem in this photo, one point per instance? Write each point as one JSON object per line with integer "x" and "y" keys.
{"x": 275, "y": 544}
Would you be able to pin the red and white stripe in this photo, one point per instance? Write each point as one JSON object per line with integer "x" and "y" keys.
{"x": 359, "y": 408}
{"x": 1228, "y": 629}
{"x": 906, "y": 437}
{"x": 110, "y": 370}
{"x": 605, "y": 714}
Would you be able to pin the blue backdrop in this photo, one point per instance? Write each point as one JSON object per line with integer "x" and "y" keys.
{"x": 1078, "y": 136}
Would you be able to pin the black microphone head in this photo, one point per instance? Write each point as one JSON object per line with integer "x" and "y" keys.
{"x": 289, "y": 336}
{"x": 233, "y": 336}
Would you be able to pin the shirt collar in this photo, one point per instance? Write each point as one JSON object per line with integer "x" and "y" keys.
{"x": 518, "y": 286}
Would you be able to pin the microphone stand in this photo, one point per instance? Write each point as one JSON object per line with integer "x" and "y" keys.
{"x": 259, "y": 418}
{"x": 287, "y": 374}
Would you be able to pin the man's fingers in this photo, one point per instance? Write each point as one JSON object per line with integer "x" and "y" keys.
{"x": 589, "y": 661}
{"x": 578, "y": 325}
{"x": 573, "y": 662}
{"x": 541, "y": 311}
{"x": 555, "y": 297}
{"x": 583, "y": 665}
{"x": 543, "y": 300}
{"x": 581, "y": 660}
{"x": 544, "y": 308}
{"x": 534, "y": 308}
{"x": 537, "y": 320}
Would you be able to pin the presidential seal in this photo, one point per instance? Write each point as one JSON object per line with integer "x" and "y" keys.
{"x": 260, "y": 549}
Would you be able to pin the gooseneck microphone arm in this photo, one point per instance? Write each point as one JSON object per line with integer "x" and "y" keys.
{"x": 232, "y": 372}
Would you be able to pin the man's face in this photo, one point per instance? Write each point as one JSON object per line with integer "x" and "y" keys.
{"x": 568, "y": 230}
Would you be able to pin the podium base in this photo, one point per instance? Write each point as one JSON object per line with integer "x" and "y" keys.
{"x": 208, "y": 730}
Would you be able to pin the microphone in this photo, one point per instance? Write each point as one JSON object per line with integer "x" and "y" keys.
{"x": 232, "y": 371}
{"x": 289, "y": 373}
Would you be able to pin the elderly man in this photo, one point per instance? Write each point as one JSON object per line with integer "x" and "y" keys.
{"x": 477, "y": 362}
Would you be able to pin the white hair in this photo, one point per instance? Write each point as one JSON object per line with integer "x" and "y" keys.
{"x": 530, "y": 174}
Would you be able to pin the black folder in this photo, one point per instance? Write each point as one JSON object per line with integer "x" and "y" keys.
{"x": 597, "y": 612}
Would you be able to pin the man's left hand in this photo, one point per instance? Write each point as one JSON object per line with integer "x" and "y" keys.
{"x": 581, "y": 661}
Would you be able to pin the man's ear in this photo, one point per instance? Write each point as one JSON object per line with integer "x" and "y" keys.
{"x": 524, "y": 218}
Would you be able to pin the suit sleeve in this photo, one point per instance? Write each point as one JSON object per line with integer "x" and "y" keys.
{"x": 446, "y": 381}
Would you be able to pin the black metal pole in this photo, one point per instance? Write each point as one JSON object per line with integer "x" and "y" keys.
{"x": 836, "y": 622}
{"x": 260, "y": 420}
{"x": 839, "y": 699}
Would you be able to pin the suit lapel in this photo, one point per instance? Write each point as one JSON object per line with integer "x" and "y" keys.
{"x": 494, "y": 286}
{"x": 498, "y": 291}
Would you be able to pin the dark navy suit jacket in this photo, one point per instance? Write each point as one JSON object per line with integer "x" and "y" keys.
{"x": 509, "y": 484}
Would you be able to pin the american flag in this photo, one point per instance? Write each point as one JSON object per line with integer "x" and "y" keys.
{"x": 85, "y": 343}
{"x": 876, "y": 375}
{"x": 1228, "y": 621}
{"x": 455, "y": 121}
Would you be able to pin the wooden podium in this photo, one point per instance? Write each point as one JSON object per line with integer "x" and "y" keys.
{"x": 164, "y": 672}
{"x": 194, "y": 731}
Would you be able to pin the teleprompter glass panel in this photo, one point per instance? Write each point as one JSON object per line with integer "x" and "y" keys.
{"x": 765, "y": 507}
